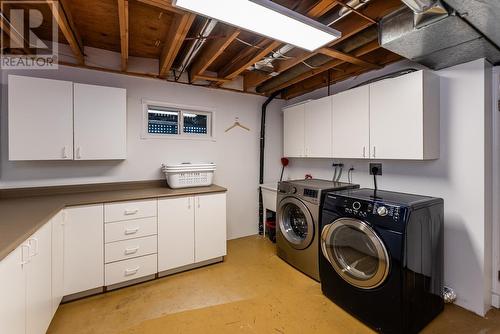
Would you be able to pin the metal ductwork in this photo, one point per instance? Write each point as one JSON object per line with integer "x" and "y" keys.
{"x": 442, "y": 34}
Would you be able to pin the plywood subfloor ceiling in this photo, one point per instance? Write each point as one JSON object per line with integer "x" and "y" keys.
{"x": 187, "y": 53}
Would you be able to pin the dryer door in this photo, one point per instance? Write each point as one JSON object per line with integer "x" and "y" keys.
{"x": 296, "y": 223}
{"x": 356, "y": 252}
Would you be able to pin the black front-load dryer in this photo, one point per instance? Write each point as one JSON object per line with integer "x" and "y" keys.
{"x": 381, "y": 257}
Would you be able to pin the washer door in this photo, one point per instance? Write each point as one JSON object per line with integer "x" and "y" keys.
{"x": 356, "y": 252}
{"x": 296, "y": 223}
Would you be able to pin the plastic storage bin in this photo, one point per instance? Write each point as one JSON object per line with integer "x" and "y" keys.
{"x": 187, "y": 175}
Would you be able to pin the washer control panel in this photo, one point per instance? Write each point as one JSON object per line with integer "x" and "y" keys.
{"x": 364, "y": 209}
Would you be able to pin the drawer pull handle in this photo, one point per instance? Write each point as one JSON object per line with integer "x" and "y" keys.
{"x": 129, "y": 251}
{"x": 130, "y": 272}
{"x": 129, "y": 231}
{"x": 131, "y": 212}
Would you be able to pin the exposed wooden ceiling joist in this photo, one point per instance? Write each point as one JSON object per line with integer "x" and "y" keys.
{"x": 124, "y": 36}
{"x": 64, "y": 19}
{"x": 174, "y": 40}
{"x": 317, "y": 10}
{"x": 212, "y": 50}
{"x": 163, "y": 4}
{"x": 321, "y": 80}
{"x": 12, "y": 34}
{"x": 348, "y": 27}
{"x": 361, "y": 51}
{"x": 264, "y": 47}
{"x": 347, "y": 58}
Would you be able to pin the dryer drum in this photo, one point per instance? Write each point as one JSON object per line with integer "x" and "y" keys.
{"x": 356, "y": 252}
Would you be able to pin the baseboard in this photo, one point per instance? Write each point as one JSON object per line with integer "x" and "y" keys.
{"x": 495, "y": 300}
{"x": 190, "y": 266}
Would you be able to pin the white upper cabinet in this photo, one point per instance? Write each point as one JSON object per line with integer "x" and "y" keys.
{"x": 351, "y": 126}
{"x": 100, "y": 122}
{"x": 294, "y": 131}
{"x": 404, "y": 117}
{"x": 396, "y": 118}
{"x": 45, "y": 115}
{"x": 318, "y": 128}
{"x": 40, "y": 119}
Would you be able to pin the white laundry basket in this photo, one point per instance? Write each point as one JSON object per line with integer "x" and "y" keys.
{"x": 187, "y": 175}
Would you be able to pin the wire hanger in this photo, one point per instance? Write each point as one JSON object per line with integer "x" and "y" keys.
{"x": 237, "y": 124}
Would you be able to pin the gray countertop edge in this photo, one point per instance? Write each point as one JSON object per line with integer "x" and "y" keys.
{"x": 78, "y": 199}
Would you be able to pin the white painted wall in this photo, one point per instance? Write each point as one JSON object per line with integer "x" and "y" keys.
{"x": 495, "y": 299}
{"x": 236, "y": 153}
{"x": 462, "y": 176}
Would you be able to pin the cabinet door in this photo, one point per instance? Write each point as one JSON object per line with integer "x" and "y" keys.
{"x": 57, "y": 260}
{"x": 293, "y": 131}
{"x": 351, "y": 123}
{"x": 210, "y": 227}
{"x": 83, "y": 248}
{"x": 13, "y": 292}
{"x": 40, "y": 119}
{"x": 39, "y": 282}
{"x": 318, "y": 128}
{"x": 175, "y": 232}
{"x": 100, "y": 122}
{"x": 396, "y": 117}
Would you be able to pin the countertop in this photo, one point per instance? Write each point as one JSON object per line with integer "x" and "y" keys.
{"x": 21, "y": 215}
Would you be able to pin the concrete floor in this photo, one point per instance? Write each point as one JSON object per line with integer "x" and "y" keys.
{"x": 253, "y": 291}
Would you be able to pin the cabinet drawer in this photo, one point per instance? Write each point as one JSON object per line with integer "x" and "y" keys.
{"x": 130, "y": 229}
{"x": 129, "y": 210}
{"x": 122, "y": 250}
{"x": 127, "y": 270}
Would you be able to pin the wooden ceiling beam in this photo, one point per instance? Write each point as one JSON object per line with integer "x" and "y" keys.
{"x": 211, "y": 52}
{"x": 347, "y": 58}
{"x": 348, "y": 27}
{"x": 163, "y": 4}
{"x": 321, "y": 80}
{"x": 361, "y": 51}
{"x": 176, "y": 35}
{"x": 12, "y": 34}
{"x": 124, "y": 36}
{"x": 62, "y": 14}
{"x": 265, "y": 49}
{"x": 253, "y": 79}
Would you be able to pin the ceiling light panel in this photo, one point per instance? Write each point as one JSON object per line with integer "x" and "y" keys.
{"x": 266, "y": 18}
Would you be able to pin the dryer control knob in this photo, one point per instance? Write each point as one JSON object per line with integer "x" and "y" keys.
{"x": 382, "y": 211}
{"x": 293, "y": 190}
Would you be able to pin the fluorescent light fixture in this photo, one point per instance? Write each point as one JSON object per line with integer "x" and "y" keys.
{"x": 266, "y": 18}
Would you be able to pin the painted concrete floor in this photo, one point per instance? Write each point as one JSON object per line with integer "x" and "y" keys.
{"x": 253, "y": 291}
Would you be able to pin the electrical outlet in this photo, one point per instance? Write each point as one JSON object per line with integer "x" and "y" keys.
{"x": 376, "y": 165}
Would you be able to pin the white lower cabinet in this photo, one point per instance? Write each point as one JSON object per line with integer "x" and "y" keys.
{"x": 83, "y": 248}
{"x": 13, "y": 270}
{"x": 210, "y": 227}
{"x": 175, "y": 232}
{"x": 39, "y": 282}
{"x": 191, "y": 230}
{"x": 122, "y": 271}
{"x": 26, "y": 285}
{"x": 57, "y": 260}
{"x": 76, "y": 252}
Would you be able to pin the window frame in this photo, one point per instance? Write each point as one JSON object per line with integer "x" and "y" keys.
{"x": 181, "y": 109}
